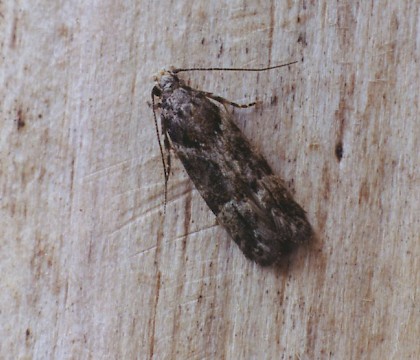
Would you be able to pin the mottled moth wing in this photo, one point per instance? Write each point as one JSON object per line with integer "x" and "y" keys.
{"x": 235, "y": 181}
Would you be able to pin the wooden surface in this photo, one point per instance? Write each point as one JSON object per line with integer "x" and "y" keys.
{"x": 91, "y": 269}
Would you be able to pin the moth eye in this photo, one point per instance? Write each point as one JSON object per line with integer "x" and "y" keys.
{"x": 156, "y": 91}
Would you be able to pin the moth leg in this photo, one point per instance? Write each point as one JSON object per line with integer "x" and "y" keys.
{"x": 166, "y": 166}
{"x": 224, "y": 101}
{"x": 157, "y": 106}
{"x": 167, "y": 146}
{"x": 167, "y": 163}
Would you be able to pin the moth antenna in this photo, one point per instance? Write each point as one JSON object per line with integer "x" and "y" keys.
{"x": 221, "y": 99}
{"x": 175, "y": 71}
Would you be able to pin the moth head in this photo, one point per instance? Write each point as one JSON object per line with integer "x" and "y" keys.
{"x": 166, "y": 80}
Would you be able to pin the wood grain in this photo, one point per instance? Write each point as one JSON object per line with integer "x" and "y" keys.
{"x": 91, "y": 268}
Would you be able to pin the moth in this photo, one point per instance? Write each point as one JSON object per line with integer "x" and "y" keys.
{"x": 248, "y": 199}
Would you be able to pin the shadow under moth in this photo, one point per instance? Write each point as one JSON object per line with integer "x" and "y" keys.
{"x": 235, "y": 181}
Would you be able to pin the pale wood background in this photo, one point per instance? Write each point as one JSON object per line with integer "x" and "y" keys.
{"x": 91, "y": 269}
